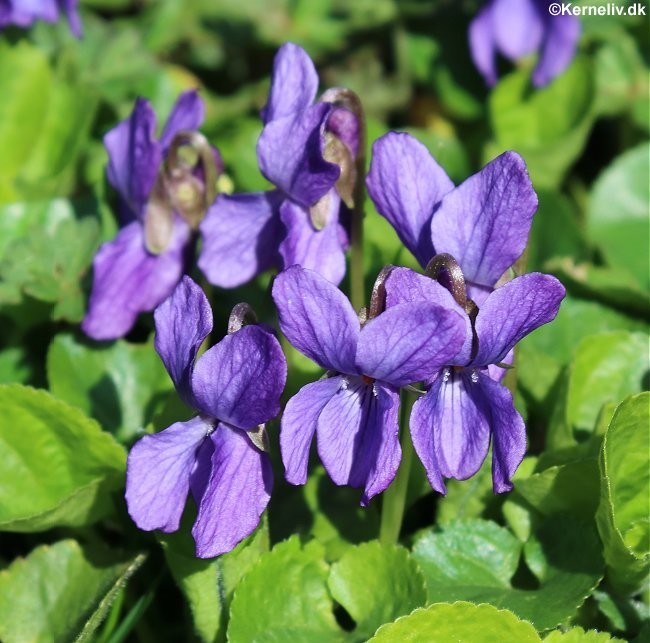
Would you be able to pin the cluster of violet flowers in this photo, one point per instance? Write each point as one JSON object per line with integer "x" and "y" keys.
{"x": 448, "y": 333}
{"x": 23, "y": 13}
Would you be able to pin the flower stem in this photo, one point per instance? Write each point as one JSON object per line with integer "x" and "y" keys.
{"x": 394, "y": 499}
{"x": 357, "y": 285}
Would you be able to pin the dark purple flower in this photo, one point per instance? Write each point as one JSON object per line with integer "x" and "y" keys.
{"x": 354, "y": 411}
{"x": 235, "y": 386}
{"x": 518, "y": 28}
{"x": 23, "y": 13}
{"x": 465, "y": 405}
{"x": 483, "y": 223}
{"x": 163, "y": 199}
{"x": 307, "y": 150}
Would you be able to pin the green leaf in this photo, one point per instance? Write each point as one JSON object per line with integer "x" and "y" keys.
{"x": 609, "y": 284}
{"x": 25, "y": 83}
{"x": 548, "y": 126}
{"x": 476, "y": 560}
{"x": 237, "y": 143}
{"x": 381, "y": 246}
{"x": 47, "y": 256}
{"x": 622, "y": 515}
{"x": 65, "y": 130}
{"x": 623, "y": 614}
{"x": 571, "y": 487}
{"x": 13, "y": 365}
{"x": 208, "y": 585}
{"x": 578, "y": 635}
{"x": 101, "y": 611}
{"x": 376, "y": 583}
{"x": 19, "y": 220}
{"x": 617, "y": 220}
{"x": 621, "y": 75}
{"x": 121, "y": 385}
{"x": 58, "y": 465}
{"x": 542, "y": 354}
{"x": 103, "y": 43}
{"x": 284, "y": 598}
{"x": 335, "y": 518}
{"x": 461, "y": 551}
{"x": 606, "y": 368}
{"x": 467, "y": 498}
{"x": 459, "y": 622}
{"x": 59, "y": 593}
{"x": 555, "y": 231}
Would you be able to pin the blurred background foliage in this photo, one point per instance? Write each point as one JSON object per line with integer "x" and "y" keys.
{"x": 585, "y": 140}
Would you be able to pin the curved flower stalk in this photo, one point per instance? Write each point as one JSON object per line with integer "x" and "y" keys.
{"x": 483, "y": 223}
{"x": 354, "y": 410}
{"x": 218, "y": 456}
{"x": 308, "y": 150}
{"x": 24, "y": 13}
{"x": 465, "y": 407}
{"x": 519, "y": 28}
{"x": 165, "y": 187}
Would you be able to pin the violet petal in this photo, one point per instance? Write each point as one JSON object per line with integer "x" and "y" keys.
{"x": 484, "y": 223}
{"x": 424, "y": 416}
{"x": 317, "y": 318}
{"x": 406, "y": 183}
{"x": 129, "y": 280}
{"x": 508, "y": 433}
{"x": 290, "y": 155}
{"x": 158, "y": 474}
{"x": 318, "y": 250}
{"x": 482, "y": 46}
{"x": 182, "y": 321}
{"x": 460, "y": 423}
{"x": 409, "y": 342}
{"x": 240, "y": 379}
{"x": 406, "y": 286}
{"x": 558, "y": 48}
{"x": 357, "y": 436}
{"x": 518, "y": 27}
{"x": 187, "y": 115}
{"x": 294, "y": 83}
{"x": 236, "y": 495}
{"x": 240, "y": 236}
{"x": 134, "y": 156}
{"x": 299, "y": 423}
{"x": 513, "y": 311}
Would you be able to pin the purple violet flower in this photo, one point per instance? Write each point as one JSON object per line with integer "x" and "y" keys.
{"x": 518, "y": 28}
{"x": 307, "y": 150}
{"x": 235, "y": 386}
{"x": 23, "y": 13}
{"x": 354, "y": 411}
{"x": 483, "y": 223}
{"x": 465, "y": 407}
{"x": 163, "y": 198}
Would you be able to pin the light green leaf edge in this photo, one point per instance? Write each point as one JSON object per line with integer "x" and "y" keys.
{"x": 53, "y": 516}
{"x": 615, "y": 548}
{"x": 524, "y": 631}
